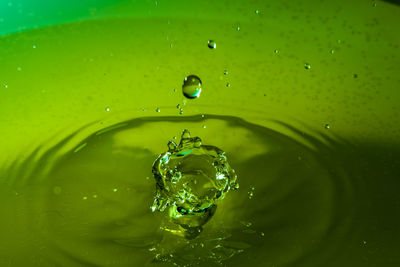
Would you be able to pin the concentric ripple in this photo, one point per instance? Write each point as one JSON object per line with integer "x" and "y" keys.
{"x": 91, "y": 205}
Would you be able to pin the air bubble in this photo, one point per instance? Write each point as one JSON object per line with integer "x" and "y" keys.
{"x": 191, "y": 87}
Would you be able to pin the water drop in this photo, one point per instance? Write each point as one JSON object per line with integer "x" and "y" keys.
{"x": 276, "y": 51}
{"x": 251, "y": 192}
{"x": 115, "y": 190}
{"x": 202, "y": 115}
{"x": 33, "y": 46}
{"x": 238, "y": 28}
{"x": 226, "y": 72}
{"x": 158, "y": 110}
{"x": 204, "y": 126}
{"x": 374, "y": 4}
{"x": 5, "y": 86}
{"x": 339, "y": 41}
{"x": 257, "y": 11}
{"x": 262, "y": 234}
{"x": 180, "y": 111}
{"x": 307, "y": 66}
{"x": 175, "y": 90}
{"x": 84, "y": 198}
{"x": 327, "y": 126}
{"x": 228, "y": 85}
{"x": 332, "y": 51}
{"x": 212, "y": 44}
{"x": 19, "y": 69}
{"x": 107, "y": 109}
{"x": 191, "y": 87}
{"x": 94, "y": 196}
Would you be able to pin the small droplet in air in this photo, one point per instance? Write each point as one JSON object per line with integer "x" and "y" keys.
{"x": 307, "y": 66}
{"x": 107, "y": 109}
{"x": 115, "y": 190}
{"x": 212, "y": 44}
{"x": 228, "y": 85}
{"x": 238, "y": 28}
{"x": 332, "y": 51}
{"x": 276, "y": 51}
{"x": 204, "y": 126}
{"x": 226, "y": 72}
{"x": 5, "y": 86}
{"x": 262, "y": 234}
{"x": 180, "y": 111}
{"x": 327, "y": 126}
{"x": 251, "y": 192}
{"x": 158, "y": 110}
{"x": 191, "y": 87}
{"x": 257, "y": 11}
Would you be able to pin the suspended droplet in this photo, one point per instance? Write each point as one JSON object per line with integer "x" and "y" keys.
{"x": 191, "y": 87}
{"x": 158, "y": 110}
{"x": 204, "y": 126}
{"x": 115, "y": 190}
{"x": 251, "y": 192}
{"x": 107, "y": 109}
{"x": 228, "y": 85}
{"x": 307, "y": 66}
{"x": 327, "y": 126}
{"x": 212, "y": 44}
{"x": 238, "y": 28}
{"x": 332, "y": 51}
{"x": 276, "y": 51}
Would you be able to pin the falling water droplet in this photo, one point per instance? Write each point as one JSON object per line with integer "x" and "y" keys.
{"x": 276, "y": 51}
{"x": 238, "y": 28}
{"x": 212, "y": 44}
{"x": 107, "y": 109}
{"x": 327, "y": 126}
{"x": 307, "y": 66}
{"x": 115, "y": 190}
{"x": 204, "y": 126}
{"x": 262, "y": 234}
{"x": 228, "y": 85}
{"x": 226, "y": 72}
{"x": 158, "y": 110}
{"x": 5, "y": 86}
{"x": 191, "y": 87}
{"x": 257, "y": 11}
{"x": 332, "y": 51}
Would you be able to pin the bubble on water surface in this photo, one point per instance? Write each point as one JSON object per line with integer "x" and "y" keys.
{"x": 190, "y": 179}
{"x": 191, "y": 87}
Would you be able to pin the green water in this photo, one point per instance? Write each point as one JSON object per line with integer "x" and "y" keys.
{"x": 302, "y": 96}
{"x": 314, "y": 202}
